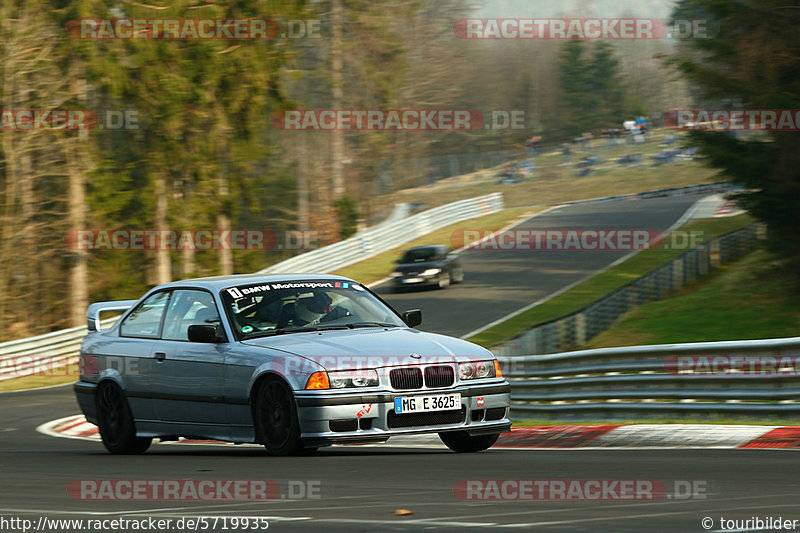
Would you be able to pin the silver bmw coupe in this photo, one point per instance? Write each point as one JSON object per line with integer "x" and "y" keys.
{"x": 293, "y": 362}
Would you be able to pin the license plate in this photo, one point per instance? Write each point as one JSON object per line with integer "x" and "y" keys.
{"x": 435, "y": 402}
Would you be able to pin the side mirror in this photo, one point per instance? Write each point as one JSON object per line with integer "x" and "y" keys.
{"x": 412, "y": 318}
{"x": 203, "y": 333}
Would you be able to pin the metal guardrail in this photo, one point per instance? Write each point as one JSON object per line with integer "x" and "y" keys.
{"x": 646, "y": 380}
{"x": 387, "y": 236}
{"x": 575, "y": 329}
{"x": 44, "y": 353}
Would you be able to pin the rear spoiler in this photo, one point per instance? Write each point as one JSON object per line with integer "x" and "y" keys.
{"x": 93, "y": 313}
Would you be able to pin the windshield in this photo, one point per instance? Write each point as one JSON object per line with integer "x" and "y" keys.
{"x": 421, "y": 255}
{"x": 294, "y": 306}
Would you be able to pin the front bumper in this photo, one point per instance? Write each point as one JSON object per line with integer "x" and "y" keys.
{"x": 363, "y": 418}
{"x": 416, "y": 280}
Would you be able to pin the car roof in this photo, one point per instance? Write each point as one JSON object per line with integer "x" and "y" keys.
{"x": 221, "y": 282}
{"x": 426, "y": 247}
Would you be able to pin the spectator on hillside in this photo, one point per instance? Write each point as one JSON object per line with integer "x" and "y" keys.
{"x": 533, "y": 145}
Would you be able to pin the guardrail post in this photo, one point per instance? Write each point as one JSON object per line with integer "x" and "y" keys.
{"x": 580, "y": 329}
{"x": 705, "y": 259}
{"x": 714, "y": 254}
{"x": 677, "y": 274}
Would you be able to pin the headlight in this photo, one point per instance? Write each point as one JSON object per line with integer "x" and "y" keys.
{"x": 353, "y": 378}
{"x": 476, "y": 370}
{"x": 431, "y": 271}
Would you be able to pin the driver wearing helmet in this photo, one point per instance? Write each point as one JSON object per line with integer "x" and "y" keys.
{"x": 311, "y": 308}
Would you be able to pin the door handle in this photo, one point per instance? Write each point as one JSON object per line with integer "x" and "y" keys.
{"x": 160, "y": 356}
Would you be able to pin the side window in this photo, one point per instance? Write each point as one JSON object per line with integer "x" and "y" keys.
{"x": 145, "y": 320}
{"x": 188, "y": 307}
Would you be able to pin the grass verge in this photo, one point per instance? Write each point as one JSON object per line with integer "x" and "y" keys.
{"x": 67, "y": 374}
{"x": 752, "y": 298}
{"x": 603, "y": 283}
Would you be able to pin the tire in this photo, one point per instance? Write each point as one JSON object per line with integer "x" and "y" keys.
{"x": 277, "y": 426}
{"x": 458, "y": 275}
{"x": 445, "y": 279}
{"x": 462, "y": 442}
{"x": 115, "y": 421}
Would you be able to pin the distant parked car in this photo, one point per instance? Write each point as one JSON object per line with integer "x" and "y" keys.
{"x": 629, "y": 159}
{"x": 587, "y": 161}
{"x": 665, "y": 156}
{"x": 428, "y": 265}
{"x": 509, "y": 174}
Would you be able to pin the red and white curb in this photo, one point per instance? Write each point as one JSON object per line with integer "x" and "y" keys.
{"x": 70, "y": 427}
{"x": 653, "y": 436}
{"x": 715, "y": 206}
{"x": 551, "y": 437}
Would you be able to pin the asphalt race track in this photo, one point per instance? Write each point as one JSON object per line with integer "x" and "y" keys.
{"x": 498, "y": 282}
{"x": 360, "y": 488}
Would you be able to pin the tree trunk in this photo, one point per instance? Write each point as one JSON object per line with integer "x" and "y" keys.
{"x": 163, "y": 261}
{"x": 77, "y": 211}
{"x": 79, "y": 269}
{"x": 337, "y": 93}
{"x": 302, "y": 181}
{"x": 225, "y": 254}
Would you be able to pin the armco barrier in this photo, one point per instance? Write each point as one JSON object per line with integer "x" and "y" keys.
{"x": 639, "y": 381}
{"x": 387, "y": 236}
{"x": 573, "y": 330}
{"x": 49, "y": 352}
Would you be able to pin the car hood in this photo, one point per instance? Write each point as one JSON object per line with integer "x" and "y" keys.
{"x": 372, "y": 348}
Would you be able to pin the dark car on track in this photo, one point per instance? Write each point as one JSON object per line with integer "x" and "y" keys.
{"x": 428, "y": 265}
